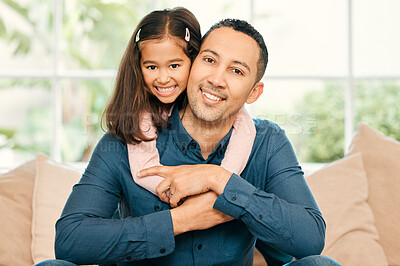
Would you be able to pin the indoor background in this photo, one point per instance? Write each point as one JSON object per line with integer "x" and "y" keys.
{"x": 332, "y": 64}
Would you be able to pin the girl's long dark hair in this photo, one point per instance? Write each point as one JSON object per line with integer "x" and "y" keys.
{"x": 131, "y": 98}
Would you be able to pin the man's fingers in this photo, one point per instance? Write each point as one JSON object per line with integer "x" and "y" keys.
{"x": 154, "y": 170}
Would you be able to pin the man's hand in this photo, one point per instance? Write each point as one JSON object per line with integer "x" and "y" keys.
{"x": 187, "y": 180}
{"x": 197, "y": 213}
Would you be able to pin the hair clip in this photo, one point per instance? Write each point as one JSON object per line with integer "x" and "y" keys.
{"x": 137, "y": 38}
{"x": 187, "y": 35}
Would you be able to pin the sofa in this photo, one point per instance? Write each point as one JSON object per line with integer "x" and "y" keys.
{"x": 359, "y": 196}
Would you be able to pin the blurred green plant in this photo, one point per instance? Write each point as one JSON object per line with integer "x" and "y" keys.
{"x": 94, "y": 36}
{"x": 376, "y": 104}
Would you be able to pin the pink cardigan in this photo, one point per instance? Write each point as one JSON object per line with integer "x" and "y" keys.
{"x": 145, "y": 154}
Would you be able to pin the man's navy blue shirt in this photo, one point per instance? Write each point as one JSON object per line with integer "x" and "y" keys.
{"x": 270, "y": 201}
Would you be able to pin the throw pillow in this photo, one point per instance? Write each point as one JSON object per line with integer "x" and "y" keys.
{"x": 341, "y": 191}
{"x": 381, "y": 157}
{"x": 53, "y": 184}
{"x": 16, "y": 189}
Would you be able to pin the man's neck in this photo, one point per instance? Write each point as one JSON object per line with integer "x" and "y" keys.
{"x": 207, "y": 134}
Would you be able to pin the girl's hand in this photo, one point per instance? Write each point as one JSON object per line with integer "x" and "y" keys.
{"x": 186, "y": 180}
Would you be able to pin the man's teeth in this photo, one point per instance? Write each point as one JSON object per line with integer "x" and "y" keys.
{"x": 212, "y": 97}
{"x": 166, "y": 89}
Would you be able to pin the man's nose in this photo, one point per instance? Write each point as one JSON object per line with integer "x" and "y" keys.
{"x": 217, "y": 78}
{"x": 164, "y": 76}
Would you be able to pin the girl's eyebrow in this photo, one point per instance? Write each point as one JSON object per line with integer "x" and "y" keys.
{"x": 169, "y": 61}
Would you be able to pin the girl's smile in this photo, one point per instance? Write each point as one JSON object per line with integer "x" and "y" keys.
{"x": 165, "y": 67}
{"x": 166, "y": 91}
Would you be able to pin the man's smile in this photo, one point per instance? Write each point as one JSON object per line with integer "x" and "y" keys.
{"x": 211, "y": 97}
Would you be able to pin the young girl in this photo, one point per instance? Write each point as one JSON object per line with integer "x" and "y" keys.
{"x": 152, "y": 76}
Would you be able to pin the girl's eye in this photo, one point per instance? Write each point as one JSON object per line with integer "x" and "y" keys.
{"x": 152, "y": 67}
{"x": 174, "y": 66}
{"x": 237, "y": 71}
{"x": 209, "y": 60}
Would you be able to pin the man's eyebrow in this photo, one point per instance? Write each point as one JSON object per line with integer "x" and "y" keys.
{"x": 169, "y": 61}
{"x": 209, "y": 51}
{"x": 234, "y": 61}
{"x": 243, "y": 64}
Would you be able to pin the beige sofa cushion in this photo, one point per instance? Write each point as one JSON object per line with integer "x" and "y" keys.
{"x": 53, "y": 184}
{"x": 381, "y": 157}
{"x": 16, "y": 215}
{"x": 341, "y": 191}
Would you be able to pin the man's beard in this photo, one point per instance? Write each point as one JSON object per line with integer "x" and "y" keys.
{"x": 206, "y": 113}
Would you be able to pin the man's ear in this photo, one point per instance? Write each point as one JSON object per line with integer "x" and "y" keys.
{"x": 255, "y": 93}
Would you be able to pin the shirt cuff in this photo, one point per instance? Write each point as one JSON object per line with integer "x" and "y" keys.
{"x": 235, "y": 197}
{"x": 160, "y": 234}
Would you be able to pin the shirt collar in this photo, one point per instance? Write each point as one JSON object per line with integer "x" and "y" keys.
{"x": 179, "y": 133}
{"x": 184, "y": 140}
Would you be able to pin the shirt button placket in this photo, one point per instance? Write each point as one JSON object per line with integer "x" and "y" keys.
{"x": 198, "y": 254}
{"x": 199, "y": 250}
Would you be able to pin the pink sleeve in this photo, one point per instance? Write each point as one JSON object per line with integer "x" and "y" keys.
{"x": 241, "y": 143}
{"x": 145, "y": 155}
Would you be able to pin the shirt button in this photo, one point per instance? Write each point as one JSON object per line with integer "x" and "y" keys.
{"x": 156, "y": 207}
{"x": 128, "y": 258}
{"x": 200, "y": 246}
{"x": 260, "y": 216}
{"x": 234, "y": 198}
{"x": 162, "y": 251}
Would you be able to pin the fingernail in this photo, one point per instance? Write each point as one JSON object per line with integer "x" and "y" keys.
{"x": 138, "y": 173}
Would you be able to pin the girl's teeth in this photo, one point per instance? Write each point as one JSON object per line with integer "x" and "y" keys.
{"x": 211, "y": 97}
{"x": 166, "y": 89}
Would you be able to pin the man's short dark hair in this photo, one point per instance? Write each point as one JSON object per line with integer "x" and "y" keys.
{"x": 246, "y": 28}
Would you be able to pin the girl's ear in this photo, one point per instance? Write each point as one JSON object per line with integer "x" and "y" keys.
{"x": 255, "y": 92}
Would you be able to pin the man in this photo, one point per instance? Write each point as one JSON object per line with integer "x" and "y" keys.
{"x": 222, "y": 214}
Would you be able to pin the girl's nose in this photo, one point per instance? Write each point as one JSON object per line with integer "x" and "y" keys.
{"x": 164, "y": 77}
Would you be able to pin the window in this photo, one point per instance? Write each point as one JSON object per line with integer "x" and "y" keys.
{"x": 331, "y": 65}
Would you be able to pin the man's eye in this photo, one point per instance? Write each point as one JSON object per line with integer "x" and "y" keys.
{"x": 152, "y": 67}
{"x": 174, "y": 66}
{"x": 209, "y": 60}
{"x": 237, "y": 71}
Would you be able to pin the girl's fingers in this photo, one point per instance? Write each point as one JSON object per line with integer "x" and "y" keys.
{"x": 155, "y": 170}
{"x": 175, "y": 201}
{"x": 164, "y": 198}
{"x": 163, "y": 189}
